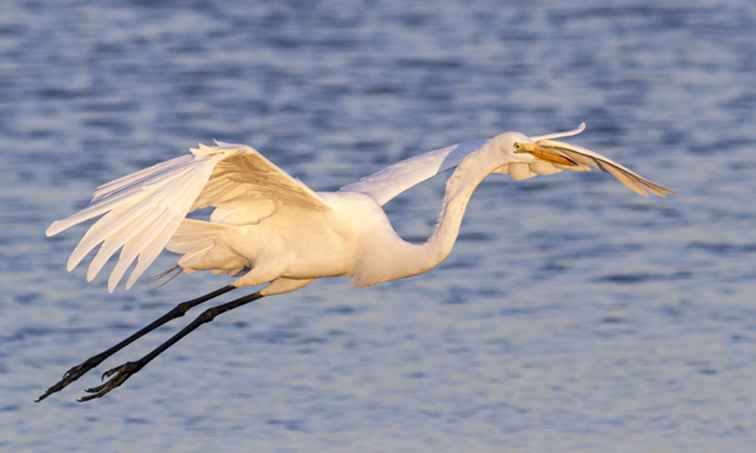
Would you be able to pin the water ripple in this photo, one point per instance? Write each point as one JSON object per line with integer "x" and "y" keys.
{"x": 571, "y": 313}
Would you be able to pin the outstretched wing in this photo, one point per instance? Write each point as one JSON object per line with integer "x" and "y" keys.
{"x": 553, "y": 156}
{"x": 143, "y": 210}
{"x": 386, "y": 184}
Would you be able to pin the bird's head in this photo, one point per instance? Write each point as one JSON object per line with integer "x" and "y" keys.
{"x": 507, "y": 148}
{"x": 506, "y": 142}
{"x": 517, "y": 147}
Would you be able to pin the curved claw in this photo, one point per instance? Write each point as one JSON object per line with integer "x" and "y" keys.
{"x": 112, "y": 371}
{"x": 121, "y": 372}
{"x": 95, "y": 389}
{"x": 71, "y": 375}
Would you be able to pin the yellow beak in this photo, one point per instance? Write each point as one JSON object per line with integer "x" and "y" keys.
{"x": 544, "y": 153}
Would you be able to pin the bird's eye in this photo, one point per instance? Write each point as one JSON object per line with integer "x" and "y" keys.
{"x": 517, "y": 145}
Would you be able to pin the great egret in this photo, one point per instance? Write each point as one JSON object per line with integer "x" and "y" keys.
{"x": 268, "y": 227}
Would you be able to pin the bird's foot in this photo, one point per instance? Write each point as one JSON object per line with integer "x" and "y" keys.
{"x": 71, "y": 375}
{"x": 121, "y": 372}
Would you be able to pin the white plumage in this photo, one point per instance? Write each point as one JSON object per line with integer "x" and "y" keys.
{"x": 276, "y": 229}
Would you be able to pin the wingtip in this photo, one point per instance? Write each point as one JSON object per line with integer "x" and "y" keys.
{"x": 571, "y": 133}
{"x": 53, "y": 229}
{"x": 113, "y": 281}
{"x": 222, "y": 144}
{"x": 657, "y": 189}
{"x": 665, "y": 192}
{"x": 651, "y": 188}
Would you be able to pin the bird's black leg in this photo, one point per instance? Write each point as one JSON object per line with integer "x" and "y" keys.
{"x": 177, "y": 312}
{"x": 126, "y": 370}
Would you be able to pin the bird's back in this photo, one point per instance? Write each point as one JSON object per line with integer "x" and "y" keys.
{"x": 299, "y": 243}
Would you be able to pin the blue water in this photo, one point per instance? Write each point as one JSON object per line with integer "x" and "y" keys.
{"x": 572, "y": 315}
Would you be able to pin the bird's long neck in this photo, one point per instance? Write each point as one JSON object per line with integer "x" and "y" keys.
{"x": 459, "y": 189}
{"x": 400, "y": 259}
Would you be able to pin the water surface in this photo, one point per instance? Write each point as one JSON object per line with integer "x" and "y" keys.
{"x": 572, "y": 315}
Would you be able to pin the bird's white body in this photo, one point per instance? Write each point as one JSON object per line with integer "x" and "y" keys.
{"x": 353, "y": 238}
{"x": 268, "y": 227}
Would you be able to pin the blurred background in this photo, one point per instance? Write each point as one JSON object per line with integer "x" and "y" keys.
{"x": 573, "y": 315}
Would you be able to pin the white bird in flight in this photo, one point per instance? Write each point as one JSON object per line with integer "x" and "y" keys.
{"x": 270, "y": 228}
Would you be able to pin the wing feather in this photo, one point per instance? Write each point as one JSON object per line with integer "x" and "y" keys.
{"x": 592, "y": 159}
{"x": 93, "y": 236}
{"x": 120, "y": 235}
{"x": 153, "y": 225}
{"x": 176, "y": 215}
{"x": 138, "y": 176}
{"x": 153, "y": 249}
{"x": 132, "y": 223}
{"x": 114, "y": 219}
{"x": 127, "y": 197}
{"x": 142, "y": 211}
{"x": 386, "y": 184}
